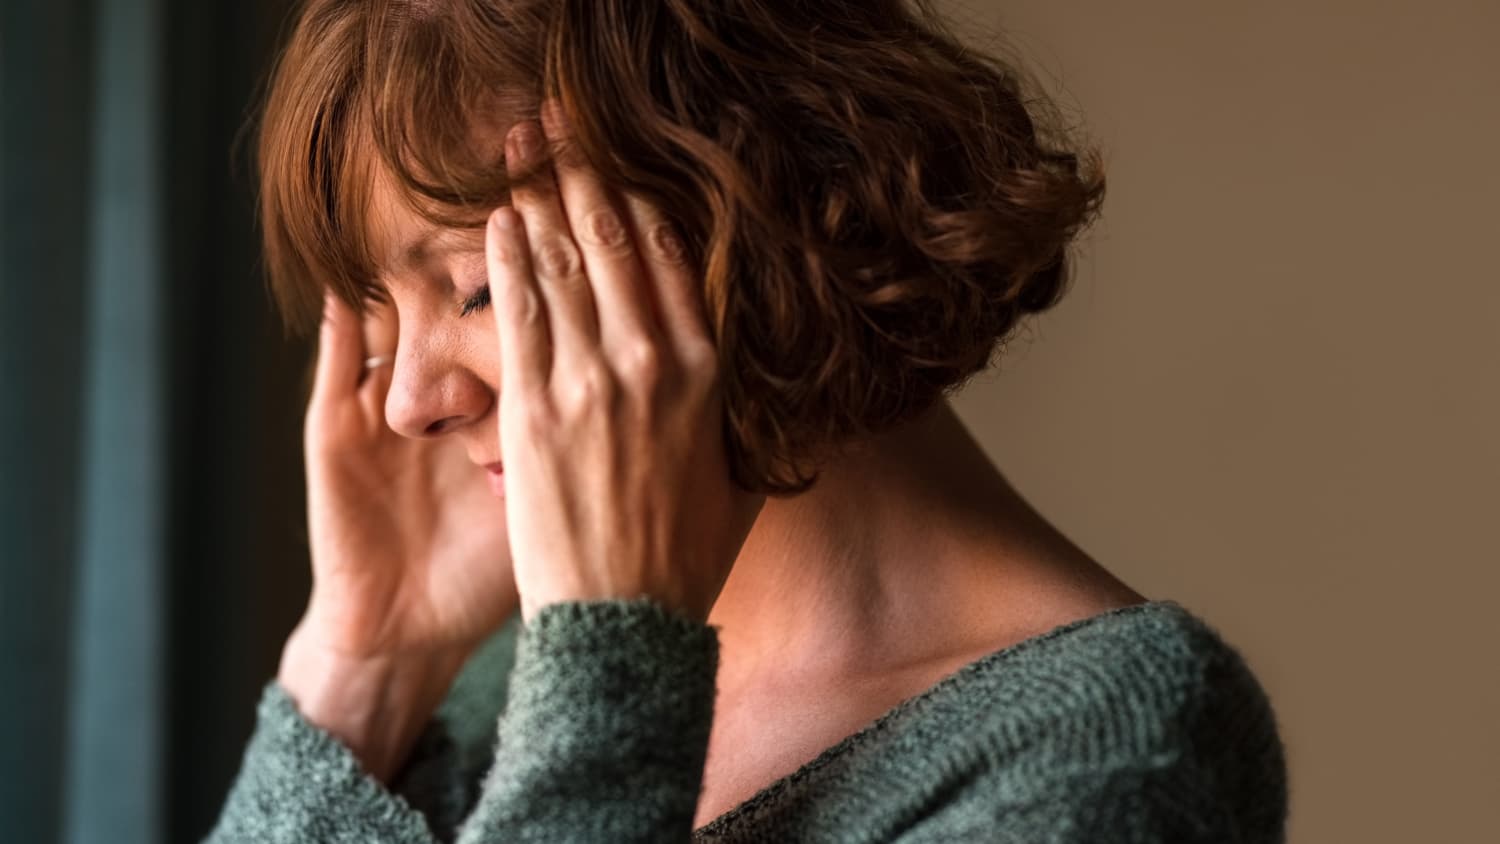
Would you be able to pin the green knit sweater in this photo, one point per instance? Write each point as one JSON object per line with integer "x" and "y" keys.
{"x": 591, "y": 724}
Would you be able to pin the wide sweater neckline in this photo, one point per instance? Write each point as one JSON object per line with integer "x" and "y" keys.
{"x": 950, "y": 684}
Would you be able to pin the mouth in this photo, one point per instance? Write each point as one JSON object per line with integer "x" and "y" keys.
{"x": 495, "y": 474}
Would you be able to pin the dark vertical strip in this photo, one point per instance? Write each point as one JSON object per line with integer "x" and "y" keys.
{"x": 45, "y": 72}
{"x": 238, "y": 562}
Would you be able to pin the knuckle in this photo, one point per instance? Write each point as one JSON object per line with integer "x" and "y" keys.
{"x": 524, "y": 307}
{"x": 603, "y": 227}
{"x": 537, "y": 419}
{"x": 700, "y": 358}
{"x": 702, "y": 387}
{"x": 556, "y": 259}
{"x": 666, "y": 243}
{"x": 641, "y": 362}
{"x": 590, "y": 389}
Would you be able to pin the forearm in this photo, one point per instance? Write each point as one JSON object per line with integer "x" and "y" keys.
{"x": 377, "y": 706}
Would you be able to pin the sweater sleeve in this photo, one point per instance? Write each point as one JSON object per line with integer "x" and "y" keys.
{"x": 298, "y": 783}
{"x": 606, "y": 731}
{"x": 603, "y": 737}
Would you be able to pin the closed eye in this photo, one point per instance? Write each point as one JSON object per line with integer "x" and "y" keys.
{"x": 477, "y": 302}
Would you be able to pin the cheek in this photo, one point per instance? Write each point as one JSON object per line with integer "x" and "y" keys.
{"x": 481, "y": 349}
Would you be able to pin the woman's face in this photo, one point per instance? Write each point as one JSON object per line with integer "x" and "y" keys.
{"x": 447, "y": 366}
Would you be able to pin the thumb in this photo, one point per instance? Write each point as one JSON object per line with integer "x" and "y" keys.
{"x": 340, "y": 350}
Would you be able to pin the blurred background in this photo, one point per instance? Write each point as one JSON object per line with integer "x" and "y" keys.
{"x": 1271, "y": 394}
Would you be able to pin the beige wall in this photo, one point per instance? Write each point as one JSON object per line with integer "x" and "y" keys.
{"x": 1272, "y": 394}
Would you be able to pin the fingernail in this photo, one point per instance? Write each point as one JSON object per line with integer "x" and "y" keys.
{"x": 556, "y": 116}
{"x": 523, "y": 141}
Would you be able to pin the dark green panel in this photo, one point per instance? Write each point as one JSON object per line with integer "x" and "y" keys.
{"x": 45, "y": 72}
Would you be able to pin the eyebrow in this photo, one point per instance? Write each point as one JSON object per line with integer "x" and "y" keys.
{"x": 419, "y": 248}
{"x": 432, "y": 241}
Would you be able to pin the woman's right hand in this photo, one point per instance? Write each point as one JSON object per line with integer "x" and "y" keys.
{"x": 411, "y": 567}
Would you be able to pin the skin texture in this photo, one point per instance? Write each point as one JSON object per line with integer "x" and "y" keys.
{"x": 591, "y": 379}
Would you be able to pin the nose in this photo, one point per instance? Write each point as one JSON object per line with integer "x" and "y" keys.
{"x": 432, "y": 392}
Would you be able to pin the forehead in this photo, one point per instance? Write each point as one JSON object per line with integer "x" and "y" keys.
{"x": 390, "y": 234}
{"x": 400, "y": 239}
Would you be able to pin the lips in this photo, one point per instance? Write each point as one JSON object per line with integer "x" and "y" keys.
{"x": 495, "y": 474}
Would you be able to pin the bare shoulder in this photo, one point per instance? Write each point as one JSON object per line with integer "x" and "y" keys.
{"x": 1047, "y": 594}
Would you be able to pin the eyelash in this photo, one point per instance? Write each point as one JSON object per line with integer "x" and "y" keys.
{"x": 477, "y": 302}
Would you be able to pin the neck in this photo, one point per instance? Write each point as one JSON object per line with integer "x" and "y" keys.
{"x": 912, "y": 526}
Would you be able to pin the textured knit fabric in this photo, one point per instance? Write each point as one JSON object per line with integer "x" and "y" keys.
{"x": 1136, "y": 725}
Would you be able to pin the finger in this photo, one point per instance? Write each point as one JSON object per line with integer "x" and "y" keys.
{"x": 519, "y": 317}
{"x": 340, "y": 351}
{"x": 373, "y": 391}
{"x": 555, "y": 258}
{"x": 379, "y": 329}
{"x": 676, "y": 283}
{"x": 610, "y": 259}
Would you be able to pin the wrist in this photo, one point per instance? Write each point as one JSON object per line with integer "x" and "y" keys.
{"x": 376, "y": 705}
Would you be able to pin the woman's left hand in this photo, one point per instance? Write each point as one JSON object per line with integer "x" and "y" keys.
{"x": 616, "y": 477}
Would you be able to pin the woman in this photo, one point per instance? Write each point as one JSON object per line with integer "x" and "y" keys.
{"x": 685, "y": 284}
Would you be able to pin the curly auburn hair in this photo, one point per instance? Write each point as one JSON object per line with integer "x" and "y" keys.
{"x": 873, "y": 205}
